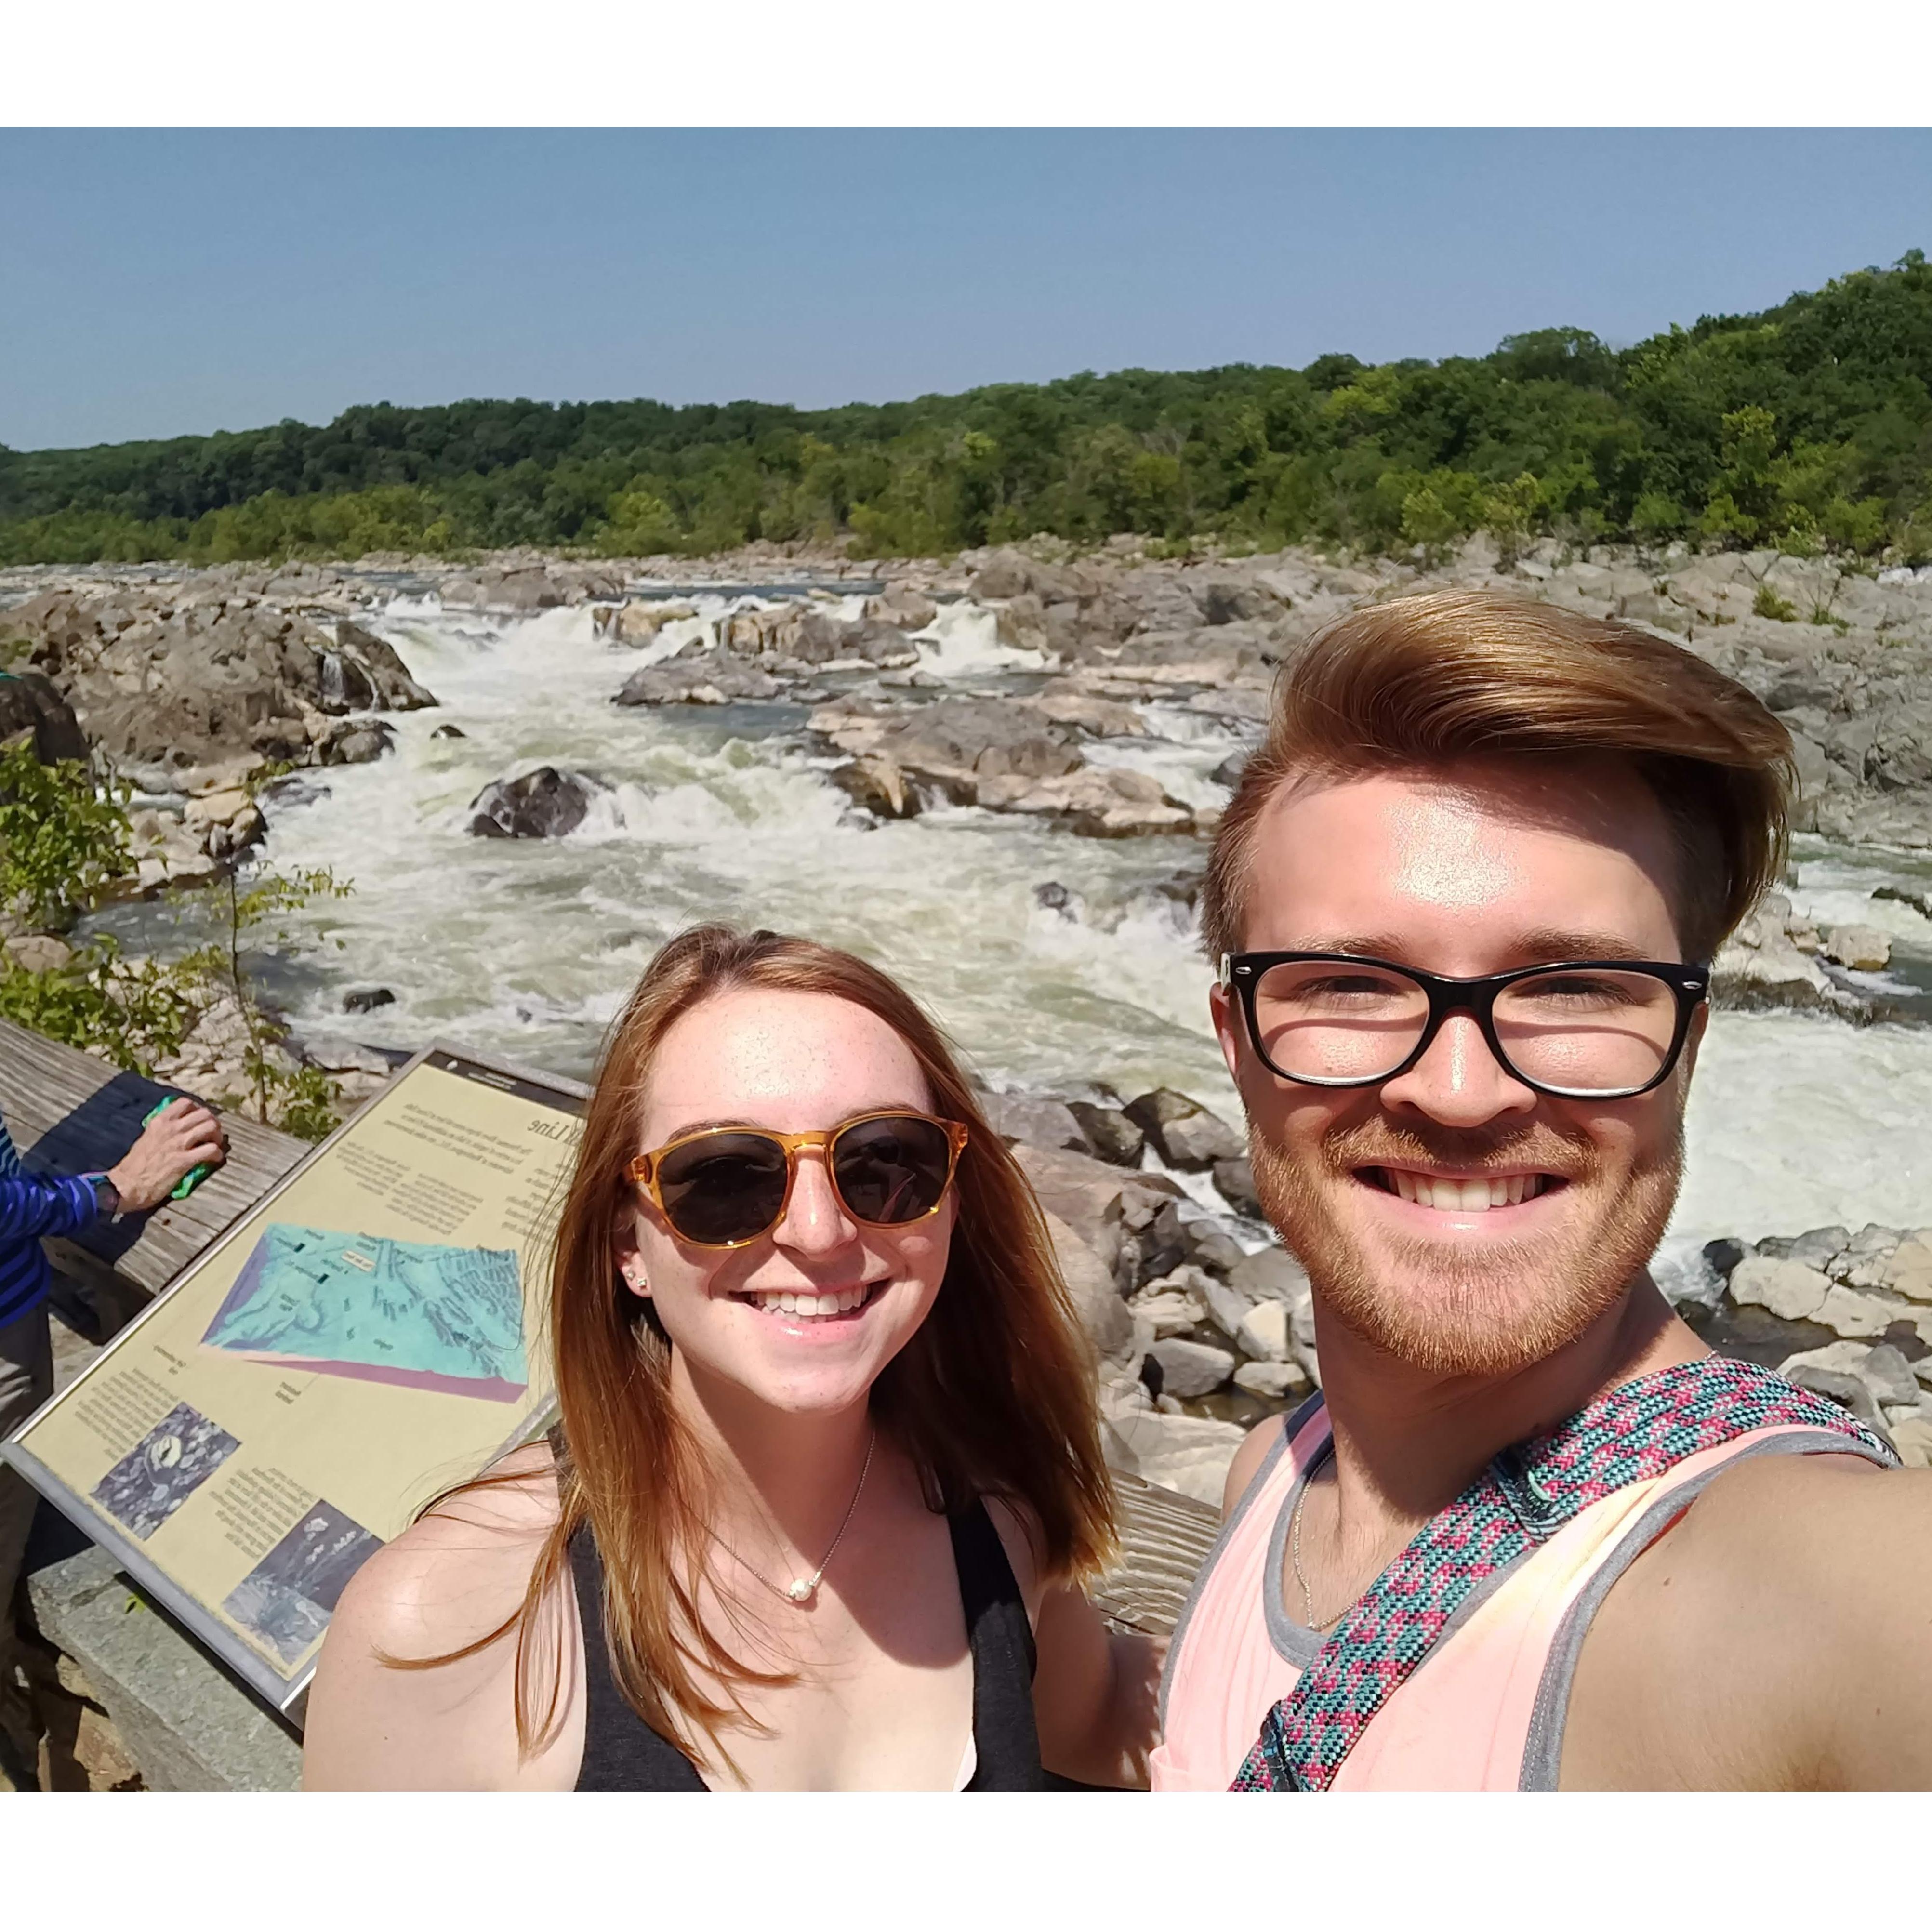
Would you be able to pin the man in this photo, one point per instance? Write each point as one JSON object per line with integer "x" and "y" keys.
{"x": 183, "y": 1136}
{"x": 1532, "y": 1533}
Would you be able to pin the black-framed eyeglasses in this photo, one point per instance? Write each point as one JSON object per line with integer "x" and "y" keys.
{"x": 1577, "y": 1029}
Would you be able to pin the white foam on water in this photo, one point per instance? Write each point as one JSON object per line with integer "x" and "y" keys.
{"x": 1797, "y": 1121}
{"x": 528, "y": 949}
{"x": 963, "y": 640}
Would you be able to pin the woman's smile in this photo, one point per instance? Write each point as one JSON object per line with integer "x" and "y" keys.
{"x": 801, "y": 1308}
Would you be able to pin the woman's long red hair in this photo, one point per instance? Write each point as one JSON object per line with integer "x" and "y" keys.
{"x": 993, "y": 1397}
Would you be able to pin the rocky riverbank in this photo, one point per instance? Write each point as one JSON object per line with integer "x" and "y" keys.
{"x": 1203, "y": 1324}
{"x": 1036, "y": 693}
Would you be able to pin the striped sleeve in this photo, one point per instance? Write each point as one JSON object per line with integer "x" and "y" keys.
{"x": 32, "y": 1204}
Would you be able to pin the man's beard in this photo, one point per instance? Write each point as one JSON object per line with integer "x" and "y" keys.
{"x": 1490, "y": 1308}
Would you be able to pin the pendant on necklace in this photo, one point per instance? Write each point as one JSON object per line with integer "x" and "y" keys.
{"x": 801, "y": 1590}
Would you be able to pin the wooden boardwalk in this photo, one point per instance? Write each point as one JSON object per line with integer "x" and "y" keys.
{"x": 68, "y": 1112}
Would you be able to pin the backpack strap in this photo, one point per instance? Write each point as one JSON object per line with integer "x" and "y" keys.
{"x": 1632, "y": 1434}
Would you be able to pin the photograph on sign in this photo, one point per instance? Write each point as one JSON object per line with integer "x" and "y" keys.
{"x": 368, "y": 1336}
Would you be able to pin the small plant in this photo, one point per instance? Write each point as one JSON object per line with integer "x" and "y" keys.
{"x": 1767, "y": 604}
{"x": 1823, "y": 613}
{"x": 303, "y": 1098}
{"x": 132, "y": 1013}
{"x": 63, "y": 840}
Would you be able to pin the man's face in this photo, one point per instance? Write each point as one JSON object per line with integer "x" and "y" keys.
{"x": 1465, "y": 873}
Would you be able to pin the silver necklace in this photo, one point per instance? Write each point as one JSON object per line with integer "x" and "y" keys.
{"x": 803, "y": 1589}
{"x": 1301, "y": 1581}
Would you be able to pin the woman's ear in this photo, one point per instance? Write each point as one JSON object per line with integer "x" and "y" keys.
{"x": 631, "y": 1266}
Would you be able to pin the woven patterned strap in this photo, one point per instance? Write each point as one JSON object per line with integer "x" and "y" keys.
{"x": 1522, "y": 1498}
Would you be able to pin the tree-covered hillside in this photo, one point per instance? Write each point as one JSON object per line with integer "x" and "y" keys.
{"x": 1808, "y": 426}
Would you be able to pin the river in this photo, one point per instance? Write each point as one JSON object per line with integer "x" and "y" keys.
{"x": 527, "y": 949}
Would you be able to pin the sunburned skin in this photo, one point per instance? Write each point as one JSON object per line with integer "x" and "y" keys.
{"x": 1478, "y": 1251}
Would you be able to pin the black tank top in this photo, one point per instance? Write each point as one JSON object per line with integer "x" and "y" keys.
{"x": 622, "y": 1752}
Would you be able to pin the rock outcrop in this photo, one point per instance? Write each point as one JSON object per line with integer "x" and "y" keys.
{"x": 163, "y": 678}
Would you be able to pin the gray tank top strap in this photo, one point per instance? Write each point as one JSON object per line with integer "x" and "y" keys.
{"x": 1543, "y": 1749}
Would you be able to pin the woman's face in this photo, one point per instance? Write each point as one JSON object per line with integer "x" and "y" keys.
{"x": 795, "y": 1063}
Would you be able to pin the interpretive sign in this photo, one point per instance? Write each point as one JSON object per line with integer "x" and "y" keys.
{"x": 367, "y": 1336}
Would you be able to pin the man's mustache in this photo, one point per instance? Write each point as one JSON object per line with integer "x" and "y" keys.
{"x": 1534, "y": 1148}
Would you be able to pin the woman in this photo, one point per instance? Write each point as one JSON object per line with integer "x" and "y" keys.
{"x": 828, "y": 1470}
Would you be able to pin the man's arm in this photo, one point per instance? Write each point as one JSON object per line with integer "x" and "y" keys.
{"x": 1779, "y": 1637}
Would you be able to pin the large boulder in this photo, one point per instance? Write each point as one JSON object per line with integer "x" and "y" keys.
{"x": 31, "y": 710}
{"x": 1184, "y": 1134}
{"x": 712, "y": 677}
{"x": 1111, "y": 1210}
{"x": 165, "y": 678}
{"x": 547, "y": 803}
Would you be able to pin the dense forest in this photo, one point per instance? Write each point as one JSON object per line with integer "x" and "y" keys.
{"x": 1808, "y": 426}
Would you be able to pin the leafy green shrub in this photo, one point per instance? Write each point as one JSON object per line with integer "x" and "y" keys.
{"x": 132, "y": 1013}
{"x": 63, "y": 840}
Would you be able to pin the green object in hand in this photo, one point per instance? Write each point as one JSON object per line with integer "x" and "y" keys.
{"x": 196, "y": 1175}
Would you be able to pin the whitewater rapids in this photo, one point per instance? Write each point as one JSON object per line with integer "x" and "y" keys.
{"x": 528, "y": 949}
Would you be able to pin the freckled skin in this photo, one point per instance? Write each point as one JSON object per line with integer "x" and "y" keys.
{"x": 797, "y": 1062}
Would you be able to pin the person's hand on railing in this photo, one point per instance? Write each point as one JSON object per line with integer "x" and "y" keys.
{"x": 183, "y": 1135}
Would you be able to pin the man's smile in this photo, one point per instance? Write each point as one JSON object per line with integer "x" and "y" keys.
{"x": 1471, "y": 1191}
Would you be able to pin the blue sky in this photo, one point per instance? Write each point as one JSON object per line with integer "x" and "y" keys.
{"x": 163, "y": 283}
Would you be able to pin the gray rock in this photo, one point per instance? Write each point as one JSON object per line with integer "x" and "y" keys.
{"x": 1265, "y": 1332}
{"x": 1090, "y": 1281}
{"x": 367, "y": 999}
{"x": 1035, "y": 1118}
{"x": 1111, "y": 1136}
{"x": 189, "y": 1726}
{"x": 39, "y": 953}
{"x": 1227, "y": 1307}
{"x": 878, "y": 785}
{"x": 547, "y": 803}
{"x": 1787, "y": 1289}
{"x": 1235, "y": 1181}
{"x": 1192, "y": 1369}
{"x": 1816, "y": 1247}
{"x": 1210, "y": 1246}
{"x": 1273, "y": 1381}
{"x": 1882, "y": 1368}
{"x": 713, "y": 677}
{"x": 1863, "y": 948}
{"x": 1271, "y": 1274}
{"x": 355, "y": 741}
{"x": 1182, "y": 1131}
{"x": 1849, "y": 1390}
{"x": 31, "y": 707}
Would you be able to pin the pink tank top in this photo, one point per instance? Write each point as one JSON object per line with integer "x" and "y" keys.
{"x": 1484, "y": 1707}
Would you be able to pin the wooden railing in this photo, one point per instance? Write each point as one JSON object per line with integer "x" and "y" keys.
{"x": 68, "y": 1113}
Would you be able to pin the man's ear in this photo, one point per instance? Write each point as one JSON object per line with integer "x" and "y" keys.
{"x": 1227, "y": 1020}
{"x": 1700, "y": 1021}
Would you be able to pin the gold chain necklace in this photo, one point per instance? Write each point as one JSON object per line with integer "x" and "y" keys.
{"x": 1301, "y": 1581}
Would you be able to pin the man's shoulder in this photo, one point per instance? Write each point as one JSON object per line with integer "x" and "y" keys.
{"x": 1787, "y": 1596}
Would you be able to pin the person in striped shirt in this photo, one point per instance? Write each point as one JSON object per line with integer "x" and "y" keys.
{"x": 183, "y": 1136}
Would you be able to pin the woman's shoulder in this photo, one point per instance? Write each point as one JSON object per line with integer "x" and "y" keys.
{"x": 395, "y": 1702}
{"x": 467, "y": 1560}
